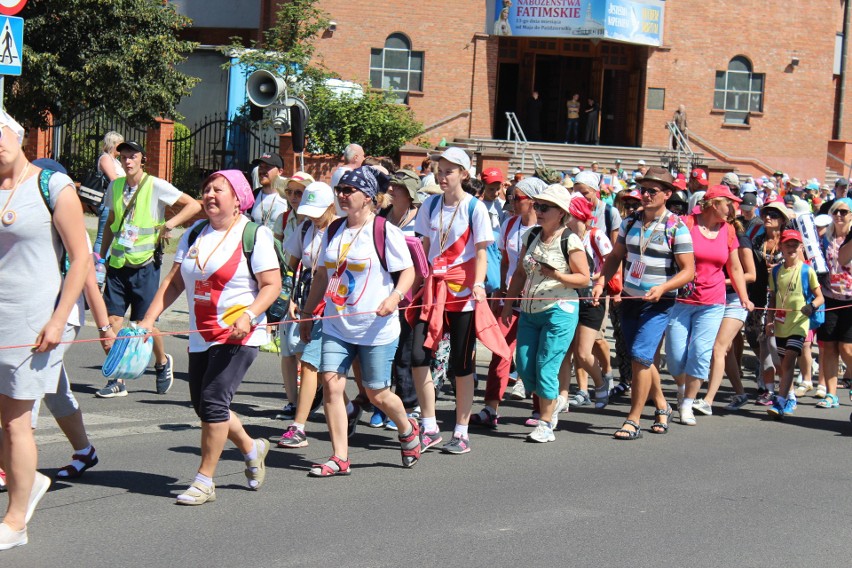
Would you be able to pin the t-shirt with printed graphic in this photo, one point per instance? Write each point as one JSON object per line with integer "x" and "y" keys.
{"x": 790, "y": 296}
{"x": 598, "y": 250}
{"x": 231, "y": 286}
{"x": 360, "y": 285}
{"x": 657, "y": 264}
{"x": 461, "y": 237}
{"x": 267, "y": 208}
{"x": 538, "y": 285}
{"x": 512, "y": 238}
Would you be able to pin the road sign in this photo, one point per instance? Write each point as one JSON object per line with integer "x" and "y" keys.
{"x": 11, "y": 7}
{"x": 11, "y": 44}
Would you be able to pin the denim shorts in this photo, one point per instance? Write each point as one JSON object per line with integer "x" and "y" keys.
{"x": 733, "y": 308}
{"x": 292, "y": 345}
{"x": 642, "y": 326}
{"x": 690, "y": 337}
{"x": 376, "y": 360}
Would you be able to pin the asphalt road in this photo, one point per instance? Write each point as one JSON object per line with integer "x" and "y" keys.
{"x": 738, "y": 489}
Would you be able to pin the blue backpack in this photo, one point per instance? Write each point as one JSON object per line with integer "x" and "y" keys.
{"x": 818, "y": 317}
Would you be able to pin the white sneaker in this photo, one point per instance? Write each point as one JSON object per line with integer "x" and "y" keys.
{"x": 561, "y": 403}
{"x": 804, "y": 388}
{"x": 687, "y": 417}
{"x": 518, "y": 391}
{"x": 702, "y": 406}
{"x": 541, "y": 434}
{"x": 11, "y": 539}
{"x": 40, "y": 487}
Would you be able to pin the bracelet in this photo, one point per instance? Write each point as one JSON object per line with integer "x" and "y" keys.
{"x": 400, "y": 294}
{"x": 105, "y": 328}
{"x": 479, "y": 285}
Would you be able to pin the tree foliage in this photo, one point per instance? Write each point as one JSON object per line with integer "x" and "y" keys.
{"x": 369, "y": 118}
{"x": 119, "y": 55}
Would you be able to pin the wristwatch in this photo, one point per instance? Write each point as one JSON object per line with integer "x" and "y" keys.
{"x": 252, "y": 317}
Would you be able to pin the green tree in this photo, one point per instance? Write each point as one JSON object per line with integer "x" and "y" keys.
{"x": 119, "y": 55}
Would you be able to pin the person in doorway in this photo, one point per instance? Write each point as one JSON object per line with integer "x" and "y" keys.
{"x": 534, "y": 105}
{"x": 592, "y": 114}
{"x": 679, "y": 120}
{"x": 572, "y": 132}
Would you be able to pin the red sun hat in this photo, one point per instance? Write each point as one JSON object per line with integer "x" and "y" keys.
{"x": 720, "y": 191}
{"x": 791, "y": 235}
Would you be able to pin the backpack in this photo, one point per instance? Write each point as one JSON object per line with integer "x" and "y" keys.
{"x": 818, "y": 317}
{"x": 44, "y": 191}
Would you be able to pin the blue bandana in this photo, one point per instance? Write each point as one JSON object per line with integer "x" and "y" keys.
{"x": 363, "y": 179}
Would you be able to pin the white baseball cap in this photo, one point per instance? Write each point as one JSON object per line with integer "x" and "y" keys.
{"x": 318, "y": 197}
{"x": 456, "y": 156}
{"x": 641, "y": 162}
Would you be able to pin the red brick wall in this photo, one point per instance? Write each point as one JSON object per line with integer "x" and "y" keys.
{"x": 796, "y": 123}
{"x": 446, "y": 31}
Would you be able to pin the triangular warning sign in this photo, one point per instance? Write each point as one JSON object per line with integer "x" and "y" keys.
{"x": 9, "y": 54}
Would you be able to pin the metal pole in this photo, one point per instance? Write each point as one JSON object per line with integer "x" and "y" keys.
{"x": 2, "y": 90}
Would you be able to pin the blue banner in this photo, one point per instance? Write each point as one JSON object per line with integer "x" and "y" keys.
{"x": 629, "y": 21}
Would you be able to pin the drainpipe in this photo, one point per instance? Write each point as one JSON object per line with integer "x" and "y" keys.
{"x": 844, "y": 47}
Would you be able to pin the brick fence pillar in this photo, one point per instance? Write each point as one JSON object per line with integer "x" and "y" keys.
{"x": 290, "y": 158}
{"x": 38, "y": 143}
{"x": 158, "y": 162}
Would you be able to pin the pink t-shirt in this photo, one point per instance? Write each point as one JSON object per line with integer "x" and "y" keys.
{"x": 710, "y": 258}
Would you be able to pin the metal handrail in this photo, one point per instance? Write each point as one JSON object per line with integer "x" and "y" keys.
{"x": 445, "y": 120}
{"x": 516, "y": 133}
{"x": 846, "y": 167}
{"x": 681, "y": 143}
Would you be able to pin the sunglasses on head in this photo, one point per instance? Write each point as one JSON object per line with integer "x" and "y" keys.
{"x": 542, "y": 207}
{"x": 344, "y": 190}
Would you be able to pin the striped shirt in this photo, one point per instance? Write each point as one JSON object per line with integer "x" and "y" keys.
{"x": 663, "y": 239}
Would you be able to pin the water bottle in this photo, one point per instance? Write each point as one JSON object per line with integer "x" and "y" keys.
{"x": 278, "y": 310}
{"x": 100, "y": 272}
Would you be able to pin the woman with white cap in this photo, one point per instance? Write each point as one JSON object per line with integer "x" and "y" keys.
{"x": 553, "y": 265}
{"x": 360, "y": 299}
{"x": 303, "y": 250}
{"x": 512, "y": 235}
{"x": 39, "y": 224}
{"x": 456, "y": 231}
{"x": 228, "y": 294}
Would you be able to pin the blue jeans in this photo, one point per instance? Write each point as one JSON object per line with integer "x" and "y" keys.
{"x": 690, "y": 337}
{"x": 543, "y": 339}
{"x": 573, "y": 130}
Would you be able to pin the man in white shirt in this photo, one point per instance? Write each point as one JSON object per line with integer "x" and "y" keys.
{"x": 268, "y": 204}
{"x": 353, "y": 156}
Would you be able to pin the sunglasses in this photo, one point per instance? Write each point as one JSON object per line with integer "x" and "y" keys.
{"x": 771, "y": 214}
{"x": 518, "y": 197}
{"x": 542, "y": 207}
{"x": 649, "y": 191}
{"x": 297, "y": 193}
{"x": 631, "y": 206}
{"x": 841, "y": 212}
{"x": 344, "y": 190}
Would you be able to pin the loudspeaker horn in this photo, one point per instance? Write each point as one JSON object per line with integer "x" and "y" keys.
{"x": 265, "y": 88}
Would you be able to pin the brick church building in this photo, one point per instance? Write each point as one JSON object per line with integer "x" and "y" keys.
{"x": 763, "y": 85}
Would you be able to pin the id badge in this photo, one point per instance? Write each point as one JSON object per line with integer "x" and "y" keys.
{"x": 440, "y": 265}
{"x": 128, "y": 236}
{"x": 333, "y": 285}
{"x": 634, "y": 275}
{"x": 202, "y": 292}
{"x": 780, "y": 317}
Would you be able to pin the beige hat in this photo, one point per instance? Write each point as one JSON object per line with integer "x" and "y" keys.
{"x": 557, "y": 195}
{"x": 432, "y": 189}
{"x": 302, "y": 178}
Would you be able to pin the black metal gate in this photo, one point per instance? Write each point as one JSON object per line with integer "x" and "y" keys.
{"x": 77, "y": 141}
{"x": 215, "y": 144}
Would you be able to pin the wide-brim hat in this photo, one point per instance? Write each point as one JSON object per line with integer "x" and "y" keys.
{"x": 660, "y": 175}
{"x": 557, "y": 195}
{"x": 410, "y": 181}
{"x": 778, "y": 206}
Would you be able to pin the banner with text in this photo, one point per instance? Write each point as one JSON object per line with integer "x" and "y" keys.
{"x": 630, "y": 21}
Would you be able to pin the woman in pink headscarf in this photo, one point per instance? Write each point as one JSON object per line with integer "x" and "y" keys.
{"x": 228, "y": 294}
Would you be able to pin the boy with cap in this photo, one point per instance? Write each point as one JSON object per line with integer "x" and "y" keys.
{"x": 136, "y": 226}
{"x": 788, "y": 313}
{"x": 493, "y": 179}
{"x": 268, "y": 204}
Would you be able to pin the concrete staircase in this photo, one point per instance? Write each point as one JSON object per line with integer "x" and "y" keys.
{"x": 563, "y": 157}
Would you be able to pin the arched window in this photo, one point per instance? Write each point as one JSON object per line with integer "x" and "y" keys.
{"x": 738, "y": 91}
{"x": 396, "y": 68}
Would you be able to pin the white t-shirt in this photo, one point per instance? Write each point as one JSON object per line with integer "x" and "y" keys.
{"x": 286, "y": 228}
{"x": 305, "y": 249}
{"x": 512, "y": 235}
{"x": 363, "y": 284}
{"x": 232, "y": 287}
{"x": 462, "y": 236}
{"x": 268, "y": 207}
{"x": 338, "y": 173}
{"x": 495, "y": 213}
{"x": 164, "y": 195}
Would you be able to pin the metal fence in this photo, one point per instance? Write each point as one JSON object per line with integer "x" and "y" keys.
{"x": 215, "y": 143}
{"x": 77, "y": 141}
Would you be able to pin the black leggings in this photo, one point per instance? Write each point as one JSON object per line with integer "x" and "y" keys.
{"x": 462, "y": 342}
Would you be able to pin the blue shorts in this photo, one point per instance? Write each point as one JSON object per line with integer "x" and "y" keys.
{"x": 642, "y": 326}
{"x": 132, "y": 288}
{"x": 733, "y": 308}
{"x": 690, "y": 337}
{"x": 312, "y": 352}
{"x": 542, "y": 340}
{"x": 292, "y": 344}
{"x": 376, "y": 360}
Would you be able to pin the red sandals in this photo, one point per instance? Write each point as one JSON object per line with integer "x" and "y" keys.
{"x": 409, "y": 446}
{"x": 334, "y": 466}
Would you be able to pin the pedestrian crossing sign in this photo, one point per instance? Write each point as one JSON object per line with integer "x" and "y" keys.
{"x": 11, "y": 45}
